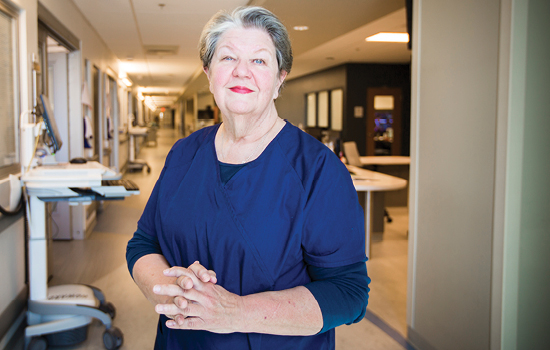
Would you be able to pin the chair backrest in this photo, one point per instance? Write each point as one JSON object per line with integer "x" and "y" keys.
{"x": 352, "y": 154}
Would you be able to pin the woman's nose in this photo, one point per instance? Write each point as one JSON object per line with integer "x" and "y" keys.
{"x": 241, "y": 69}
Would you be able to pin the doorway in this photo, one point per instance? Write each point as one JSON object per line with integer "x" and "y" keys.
{"x": 383, "y": 121}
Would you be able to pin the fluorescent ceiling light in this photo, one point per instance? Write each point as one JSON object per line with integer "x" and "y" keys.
{"x": 300, "y": 28}
{"x": 127, "y": 81}
{"x": 389, "y": 37}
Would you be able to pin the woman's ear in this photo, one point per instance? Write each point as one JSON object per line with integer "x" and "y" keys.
{"x": 206, "y": 71}
{"x": 282, "y": 77}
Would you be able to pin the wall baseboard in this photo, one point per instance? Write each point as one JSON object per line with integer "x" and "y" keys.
{"x": 417, "y": 341}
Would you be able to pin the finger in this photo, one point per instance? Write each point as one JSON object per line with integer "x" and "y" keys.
{"x": 181, "y": 303}
{"x": 180, "y": 322}
{"x": 194, "y": 295}
{"x": 178, "y": 271}
{"x": 202, "y": 273}
{"x": 186, "y": 282}
{"x": 171, "y": 290}
{"x": 213, "y": 277}
{"x": 167, "y": 309}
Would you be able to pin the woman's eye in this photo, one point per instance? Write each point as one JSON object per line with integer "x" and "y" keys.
{"x": 258, "y": 61}
{"x": 227, "y": 58}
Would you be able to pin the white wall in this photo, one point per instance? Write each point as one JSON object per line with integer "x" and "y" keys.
{"x": 453, "y": 124}
{"x": 92, "y": 47}
{"x": 479, "y": 209}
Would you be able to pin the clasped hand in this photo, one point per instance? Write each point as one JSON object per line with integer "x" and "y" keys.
{"x": 198, "y": 302}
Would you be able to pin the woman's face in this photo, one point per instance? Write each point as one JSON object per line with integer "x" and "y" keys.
{"x": 243, "y": 73}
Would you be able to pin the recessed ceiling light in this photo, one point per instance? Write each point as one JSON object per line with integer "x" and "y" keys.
{"x": 389, "y": 37}
{"x": 300, "y": 28}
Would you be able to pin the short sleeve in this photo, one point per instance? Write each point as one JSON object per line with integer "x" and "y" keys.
{"x": 334, "y": 229}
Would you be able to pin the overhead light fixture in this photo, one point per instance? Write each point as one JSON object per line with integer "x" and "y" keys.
{"x": 150, "y": 103}
{"x": 389, "y": 37}
{"x": 127, "y": 81}
{"x": 300, "y": 28}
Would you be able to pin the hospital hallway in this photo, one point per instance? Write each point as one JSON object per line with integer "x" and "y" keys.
{"x": 99, "y": 260}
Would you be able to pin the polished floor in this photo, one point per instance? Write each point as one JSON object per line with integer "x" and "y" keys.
{"x": 100, "y": 261}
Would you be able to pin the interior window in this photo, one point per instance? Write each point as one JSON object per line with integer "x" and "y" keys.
{"x": 8, "y": 96}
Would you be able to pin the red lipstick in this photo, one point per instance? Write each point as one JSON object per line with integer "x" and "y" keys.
{"x": 240, "y": 89}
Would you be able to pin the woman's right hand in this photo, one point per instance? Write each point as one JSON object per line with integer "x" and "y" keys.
{"x": 186, "y": 278}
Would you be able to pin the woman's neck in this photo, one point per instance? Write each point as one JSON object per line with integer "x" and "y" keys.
{"x": 241, "y": 139}
{"x": 246, "y": 129}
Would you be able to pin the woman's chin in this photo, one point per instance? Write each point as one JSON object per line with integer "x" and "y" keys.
{"x": 240, "y": 109}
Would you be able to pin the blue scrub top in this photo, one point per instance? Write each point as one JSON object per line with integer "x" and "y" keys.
{"x": 295, "y": 205}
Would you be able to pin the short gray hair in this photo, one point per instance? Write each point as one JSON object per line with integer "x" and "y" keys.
{"x": 246, "y": 17}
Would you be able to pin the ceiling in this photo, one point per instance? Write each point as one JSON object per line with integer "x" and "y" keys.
{"x": 156, "y": 40}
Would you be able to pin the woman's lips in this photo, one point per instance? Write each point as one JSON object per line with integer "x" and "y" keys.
{"x": 240, "y": 89}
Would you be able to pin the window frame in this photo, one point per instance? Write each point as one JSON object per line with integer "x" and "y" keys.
{"x": 14, "y": 168}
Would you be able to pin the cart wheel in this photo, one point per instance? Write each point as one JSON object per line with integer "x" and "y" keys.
{"x": 109, "y": 309}
{"x": 112, "y": 338}
{"x": 38, "y": 343}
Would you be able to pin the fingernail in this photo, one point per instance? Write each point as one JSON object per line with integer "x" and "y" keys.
{"x": 156, "y": 289}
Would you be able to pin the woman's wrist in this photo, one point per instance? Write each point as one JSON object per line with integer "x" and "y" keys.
{"x": 289, "y": 312}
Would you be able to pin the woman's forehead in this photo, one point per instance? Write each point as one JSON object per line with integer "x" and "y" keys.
{"x": 249, "y": 39}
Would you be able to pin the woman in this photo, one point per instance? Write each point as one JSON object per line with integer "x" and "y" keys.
{"x": 253, "y": 237}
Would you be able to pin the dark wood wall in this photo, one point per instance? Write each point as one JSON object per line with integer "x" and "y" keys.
{"x": 359, "y": 78}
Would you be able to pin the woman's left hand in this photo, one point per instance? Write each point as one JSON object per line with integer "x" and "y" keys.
{"x": 200, "y": 305}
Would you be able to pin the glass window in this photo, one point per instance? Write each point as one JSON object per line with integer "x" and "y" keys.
{"x": 8, "y": 106}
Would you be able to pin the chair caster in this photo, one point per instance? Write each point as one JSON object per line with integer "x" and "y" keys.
{"x": 109, "y": 309}
{"x": 38, "y": 343}
{"x": 112, "y": 338}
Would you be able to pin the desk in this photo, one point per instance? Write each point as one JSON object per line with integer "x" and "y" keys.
{"x": 370, "y": 181}
{"x": 397, "y": 166}
{"x": 386, "y": 160}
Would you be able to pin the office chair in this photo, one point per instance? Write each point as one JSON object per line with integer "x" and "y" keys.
{"x": 352, "y": 156}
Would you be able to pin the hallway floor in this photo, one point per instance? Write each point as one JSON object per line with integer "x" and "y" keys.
{"x": 100, "y": 261}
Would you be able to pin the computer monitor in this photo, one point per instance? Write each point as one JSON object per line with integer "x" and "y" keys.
{"x": 51, "y": 127}
{"x": 207, "y": 113}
